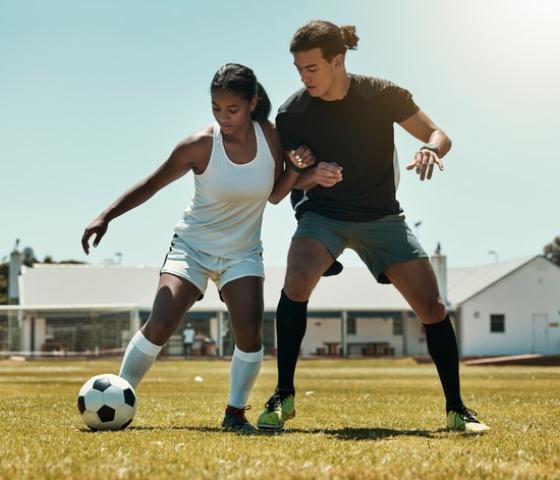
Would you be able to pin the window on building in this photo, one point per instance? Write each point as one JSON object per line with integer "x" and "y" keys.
{"x": 497, "y": 323}
{"x": 397, "y": 326}
{"x": 351, "y": 326}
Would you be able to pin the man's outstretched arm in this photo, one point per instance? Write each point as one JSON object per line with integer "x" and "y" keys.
{"x": 437, "y": 144}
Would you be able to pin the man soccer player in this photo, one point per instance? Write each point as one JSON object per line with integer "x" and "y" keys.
{"x": 348, "y": 201}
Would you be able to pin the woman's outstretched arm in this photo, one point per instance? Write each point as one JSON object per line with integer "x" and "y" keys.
{"x": 188, "y": 154}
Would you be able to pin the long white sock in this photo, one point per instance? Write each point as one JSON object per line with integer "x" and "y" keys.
{"x": 245, "y": 367}
{"x": 138, "y": 358}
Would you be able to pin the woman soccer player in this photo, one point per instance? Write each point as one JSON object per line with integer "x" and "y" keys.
{"x": 238, "y": 166}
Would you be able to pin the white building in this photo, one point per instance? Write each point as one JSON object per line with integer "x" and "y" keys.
{"x": 508, "y": 308}
{"x": 503, "y": 308}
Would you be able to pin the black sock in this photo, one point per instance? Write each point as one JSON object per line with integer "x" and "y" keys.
{"x": 291, "y": 322}
{"x": 442, "y": 346}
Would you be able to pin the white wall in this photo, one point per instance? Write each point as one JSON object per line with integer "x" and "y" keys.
{"x": 377, "y": 329}
{"x": 321, "y": 330}
{"x": 415, "y": 337}
{"x": 40, "y": 334}
{"x": 532, "y": 290}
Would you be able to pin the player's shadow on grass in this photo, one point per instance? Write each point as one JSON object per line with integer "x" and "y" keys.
{"x": 176, "y": 427}
{"x": 350, "y": 433}
{"x": 155, "y": 429}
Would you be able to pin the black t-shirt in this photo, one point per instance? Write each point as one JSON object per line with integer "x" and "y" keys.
{"x": 356, "y": 133}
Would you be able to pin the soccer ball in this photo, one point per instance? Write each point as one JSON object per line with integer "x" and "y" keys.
{"x": 107, "y": 402}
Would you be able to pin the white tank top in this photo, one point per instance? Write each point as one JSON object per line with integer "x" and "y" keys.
{"x": 225, "y": 215}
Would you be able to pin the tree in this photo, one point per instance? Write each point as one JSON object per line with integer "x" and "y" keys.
{"x": 552, "y": 251}
{"x": 29, "y": 257}
{"x": 4, "y": 272}
{"x": 50, "y": 260}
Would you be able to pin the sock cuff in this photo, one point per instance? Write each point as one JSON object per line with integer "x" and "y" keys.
{"x": 144, "y": 345}
{"x": 446, "y": 321}
{"x": 250, "y": 357}
{"x": 283, "y": 296}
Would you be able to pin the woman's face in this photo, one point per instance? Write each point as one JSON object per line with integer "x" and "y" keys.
{"x": 230, "y": 110}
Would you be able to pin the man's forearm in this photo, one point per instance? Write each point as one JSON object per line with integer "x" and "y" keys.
{"x": 306, "y": 180}
{"x": 441, "y": 141}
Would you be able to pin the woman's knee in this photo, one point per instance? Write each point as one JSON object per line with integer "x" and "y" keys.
{"x": 173, "y": 298}
{"x": 158, "y": 329}
{"x": 249, "y": 341}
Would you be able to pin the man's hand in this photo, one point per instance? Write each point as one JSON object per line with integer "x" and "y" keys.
{"x": 324, "y": 174}
{"x": 424, "y": 162}
{"x": 327, "y": 174}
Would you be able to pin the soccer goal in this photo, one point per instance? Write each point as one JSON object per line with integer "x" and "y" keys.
{"x": 63, "y": 331}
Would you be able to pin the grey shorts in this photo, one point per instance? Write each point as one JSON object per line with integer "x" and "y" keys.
{"x": 197, "y": 267}
{"x": 379, "y": 243}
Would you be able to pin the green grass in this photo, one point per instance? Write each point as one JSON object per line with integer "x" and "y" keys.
{"x": 359, "y": 419}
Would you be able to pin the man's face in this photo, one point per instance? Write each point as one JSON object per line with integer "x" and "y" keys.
{"x": 317, "y": 74}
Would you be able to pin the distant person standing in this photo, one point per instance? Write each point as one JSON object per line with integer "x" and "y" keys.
{"x": 188, "y": 339}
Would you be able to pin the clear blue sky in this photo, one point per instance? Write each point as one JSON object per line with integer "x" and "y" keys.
{"x": 94, "y": 95}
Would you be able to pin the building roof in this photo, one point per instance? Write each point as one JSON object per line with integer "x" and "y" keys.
{"x": 464, "y": 283}
{"x": 81, "y": 285}
{"x": 354, "y": 289}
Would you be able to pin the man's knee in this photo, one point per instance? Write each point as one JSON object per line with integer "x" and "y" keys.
{"x": 433, "y": 311}
{"x": 299, "y": 283}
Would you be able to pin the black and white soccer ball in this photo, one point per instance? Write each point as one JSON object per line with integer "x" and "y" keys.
{"x": 107, "y": 402}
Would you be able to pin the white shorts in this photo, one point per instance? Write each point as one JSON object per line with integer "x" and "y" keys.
{"x": 198, "y": 267}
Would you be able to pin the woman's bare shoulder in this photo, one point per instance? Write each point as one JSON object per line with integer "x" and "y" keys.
{"x": 271, "y": 134}
{"x": 199, "y": 141}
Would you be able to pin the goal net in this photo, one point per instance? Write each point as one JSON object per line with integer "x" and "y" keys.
{"x": 59, "y": 331}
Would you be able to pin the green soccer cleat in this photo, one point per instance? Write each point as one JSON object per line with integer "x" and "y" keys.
{"x": 236, "y": 421}
{"x": 464, "y": 419}
{"x": 277, "y": 412}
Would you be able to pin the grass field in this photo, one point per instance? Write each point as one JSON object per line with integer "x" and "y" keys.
{"x": 357, "y": 419}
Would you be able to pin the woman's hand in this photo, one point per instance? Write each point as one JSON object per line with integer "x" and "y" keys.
{"x": 99, "y": 228}
{"x": 302, "y": 157}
